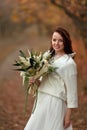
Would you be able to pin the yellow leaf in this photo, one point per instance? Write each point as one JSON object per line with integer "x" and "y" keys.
{"x": 15, "y": 18}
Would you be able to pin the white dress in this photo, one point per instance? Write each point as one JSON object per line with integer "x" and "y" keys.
{"x": 50, "y": 108}
{"x": 48, "y": 115}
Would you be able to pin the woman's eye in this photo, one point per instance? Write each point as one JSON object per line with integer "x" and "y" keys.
{"x": 54, "y": 40}
{"x": 60, "y": 40}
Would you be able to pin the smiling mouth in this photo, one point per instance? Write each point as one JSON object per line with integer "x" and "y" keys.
{"x": 56, "y": 47}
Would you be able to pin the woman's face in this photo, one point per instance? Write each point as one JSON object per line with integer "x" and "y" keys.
{"x": 57, "y": 43}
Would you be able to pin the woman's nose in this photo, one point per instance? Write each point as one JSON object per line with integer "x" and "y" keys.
{"x": 57, "y": 42}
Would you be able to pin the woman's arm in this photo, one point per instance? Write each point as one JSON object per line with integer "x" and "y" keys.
{"x": 70, "y": 80}
{"x": 67, "y": 118}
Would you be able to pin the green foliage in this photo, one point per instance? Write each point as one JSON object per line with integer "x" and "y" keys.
{"x": 22, "y": 54}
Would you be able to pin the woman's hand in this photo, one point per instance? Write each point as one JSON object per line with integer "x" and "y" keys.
{"x": 67, "y": 118}
{"x": 37, "y": 82}
{"x": 32, "y": 81}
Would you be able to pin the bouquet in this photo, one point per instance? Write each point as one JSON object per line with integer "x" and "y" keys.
{"x": 36, "y": 65}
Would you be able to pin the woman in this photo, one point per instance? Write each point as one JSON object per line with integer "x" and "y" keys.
{"x": 57, "y": 93}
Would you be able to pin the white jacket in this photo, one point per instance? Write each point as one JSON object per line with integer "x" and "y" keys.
{"x": 63, "y": 82}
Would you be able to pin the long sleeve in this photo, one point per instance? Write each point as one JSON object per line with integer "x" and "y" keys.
{"x": 70, "y": 79}
{"x": 63, "y": 82}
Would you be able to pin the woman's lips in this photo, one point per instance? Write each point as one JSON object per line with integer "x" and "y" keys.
{"x": 56, "y": 47}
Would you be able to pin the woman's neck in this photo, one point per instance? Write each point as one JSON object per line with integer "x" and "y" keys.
{"x": 59, "y": 54}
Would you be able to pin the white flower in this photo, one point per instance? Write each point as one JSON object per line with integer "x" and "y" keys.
{"x": 29, "y": 53}
{"x": 22, "y": 73}
{"x": 25, "y": 61}
{"x": 38, "y": 57}
{"x": 46, "y": 54}
{"x": 42, "y": 71}
{"x": 40, "y": 68}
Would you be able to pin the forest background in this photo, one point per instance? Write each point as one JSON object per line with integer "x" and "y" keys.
{"x": 29, "y": 24}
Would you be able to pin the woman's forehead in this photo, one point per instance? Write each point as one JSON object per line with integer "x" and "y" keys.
{"x": 56, "y": 35}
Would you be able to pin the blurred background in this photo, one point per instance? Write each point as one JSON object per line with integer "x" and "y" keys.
{"x": 29, "y": 24}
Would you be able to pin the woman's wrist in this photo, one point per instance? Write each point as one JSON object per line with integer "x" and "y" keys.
{"x": 37, "y": 82}
{"x": 69, "y": 110}
{"x": 68, "y": 114}
{"x": 67, "y": 118}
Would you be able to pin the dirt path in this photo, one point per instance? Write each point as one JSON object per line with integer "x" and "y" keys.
{"x": 12, "y": 95}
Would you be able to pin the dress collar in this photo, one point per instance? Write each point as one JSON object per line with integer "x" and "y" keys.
{"x": 72, "y": 54}
{"x": 63, "y": 58}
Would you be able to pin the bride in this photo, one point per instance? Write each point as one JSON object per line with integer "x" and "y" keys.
{"x": 57, "y": 93}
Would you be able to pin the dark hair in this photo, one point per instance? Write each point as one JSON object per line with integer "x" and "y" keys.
{"x": 66, "y": 41}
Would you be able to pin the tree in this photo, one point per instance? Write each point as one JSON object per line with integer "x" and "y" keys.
{"x": 77, "y": 11}
{"x": 19, "y": 14}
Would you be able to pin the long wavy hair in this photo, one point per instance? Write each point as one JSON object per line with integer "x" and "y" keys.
{"x": 66, "y": 41}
